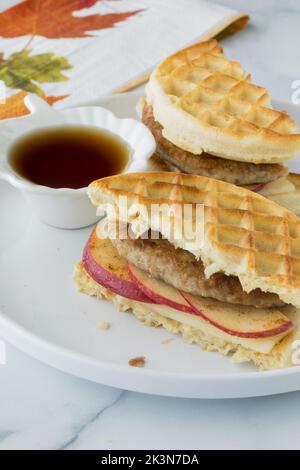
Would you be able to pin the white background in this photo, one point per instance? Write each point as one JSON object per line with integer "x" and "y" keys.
{"x": 44, "y": 408}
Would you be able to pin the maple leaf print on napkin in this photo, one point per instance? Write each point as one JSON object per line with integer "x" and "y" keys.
{"x": 55, "y": 19}
{"x": 23, "y": 71}
{"x": 51, "y": 19}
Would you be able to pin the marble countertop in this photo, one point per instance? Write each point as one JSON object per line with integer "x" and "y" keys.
{"x": 41, "y": 408}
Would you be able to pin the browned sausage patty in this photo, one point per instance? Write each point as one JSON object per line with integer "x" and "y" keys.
{"x": 180, "y": 269}
{"x": 206, "y": 164}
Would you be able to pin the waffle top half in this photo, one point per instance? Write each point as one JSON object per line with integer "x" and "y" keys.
{"x": 244, "y": 234}
{"x": 207, "y": 103}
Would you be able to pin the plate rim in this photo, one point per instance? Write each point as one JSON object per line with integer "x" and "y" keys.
{"x": 118, "y": 375}
{"x": 139, "y": 379}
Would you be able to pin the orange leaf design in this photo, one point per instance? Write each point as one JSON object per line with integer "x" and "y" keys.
{"x": 14, "y": 106}
{"x": 55, "y": 19}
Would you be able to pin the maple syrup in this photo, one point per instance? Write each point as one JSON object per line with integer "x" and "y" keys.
{"x": 69, "y": 156}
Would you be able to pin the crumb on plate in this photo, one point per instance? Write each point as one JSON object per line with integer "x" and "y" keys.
{"x": 103, "y": 325}
{"x": 137, "y": 361}
{"x": 167, "y": 340}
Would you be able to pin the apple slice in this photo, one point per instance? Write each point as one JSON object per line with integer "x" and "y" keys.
{"x": 239, "y": 320}
{"x": 158, "y": 291}
{"x": 255, "y": 187}
{"x": 104, "y": 264}
{"x": 282, "y": 185}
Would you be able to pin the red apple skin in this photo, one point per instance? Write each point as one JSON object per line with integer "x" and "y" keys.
{"x": 138, "y": 291}
{"x": 155, "y": 296}
{"x": 254, "y": 335}
{"x": 109, "y": 280}
{"x": 259, "y": 187}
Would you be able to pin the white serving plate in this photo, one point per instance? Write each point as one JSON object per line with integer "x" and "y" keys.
{"x": 42, "y": 314}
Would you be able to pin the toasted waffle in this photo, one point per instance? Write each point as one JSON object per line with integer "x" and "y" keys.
{"x": 207, "y": 103}
{"x": 244, "y": 234}
{"x": 288, "y": 197}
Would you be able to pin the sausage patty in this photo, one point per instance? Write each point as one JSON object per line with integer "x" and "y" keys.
{"x": 180, "y": 269}
{"x": 209, "y": 165}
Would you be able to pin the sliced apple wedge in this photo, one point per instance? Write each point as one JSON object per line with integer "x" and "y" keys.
{"x": 282, "y": 185}
{"x": 239, "y": 320}
{"x": 158, "y": 291}
{"x": 255, "y": 187}
{"x": 103, "y": 263}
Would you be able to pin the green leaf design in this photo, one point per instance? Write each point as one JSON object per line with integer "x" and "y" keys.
{"x": 23, "y": 71}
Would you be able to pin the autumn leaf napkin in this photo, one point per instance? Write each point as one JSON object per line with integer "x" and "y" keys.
{"x": 77, "y": 50}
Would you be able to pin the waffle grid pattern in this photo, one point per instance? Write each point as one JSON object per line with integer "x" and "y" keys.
{"x": 218, "y": 94}
{"x": 243, "y": 231}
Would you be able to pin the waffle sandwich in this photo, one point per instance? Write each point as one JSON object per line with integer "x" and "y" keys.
{"x": 209, "y": 119}
{"x": 230, "y": 285}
